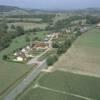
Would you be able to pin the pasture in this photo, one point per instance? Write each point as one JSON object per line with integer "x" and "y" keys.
{"x": 61, "y": 85}
{"x": 84, "y": 55}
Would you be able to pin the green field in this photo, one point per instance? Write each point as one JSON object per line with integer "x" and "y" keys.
{"x": 84, "y": 55}
{"x": 61, "y": 85}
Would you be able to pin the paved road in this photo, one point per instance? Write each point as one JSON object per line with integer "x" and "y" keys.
{"x": 21, "y": 87}
{"x": 34, "y": 60}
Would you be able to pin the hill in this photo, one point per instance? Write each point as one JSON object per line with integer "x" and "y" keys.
{"x": 4, "y": 8}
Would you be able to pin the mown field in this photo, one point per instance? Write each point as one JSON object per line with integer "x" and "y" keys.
{"x": 84, "y": 55}
{"x": 61, "y": 85}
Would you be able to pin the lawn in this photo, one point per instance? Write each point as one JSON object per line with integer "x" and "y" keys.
{"x": 84, "y": 55}
{"x": 61, "y": 85}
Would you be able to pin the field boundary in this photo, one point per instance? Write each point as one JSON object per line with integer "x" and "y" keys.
{"x": 61, "y": 92}
{"x": 79, "y": 73}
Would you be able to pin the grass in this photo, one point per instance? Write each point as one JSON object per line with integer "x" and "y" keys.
{"x": 61, "y": 85}
{"x": 84, "y": 55}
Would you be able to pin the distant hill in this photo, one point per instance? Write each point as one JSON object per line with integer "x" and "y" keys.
{"x": 17, "y": 10}
{"x": 4, "y": 8}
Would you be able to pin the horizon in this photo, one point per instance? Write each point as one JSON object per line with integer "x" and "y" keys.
{"x": 53, "y": 4}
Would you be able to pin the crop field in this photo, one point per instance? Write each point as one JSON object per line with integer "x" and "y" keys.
{"x": 84, "y": 55}
{"x": 60, "y": 85}
{"x": 29, "y": 25}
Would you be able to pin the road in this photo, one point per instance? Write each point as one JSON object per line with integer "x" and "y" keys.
{"x": 25, "y": 83}
{"x": 35, "y": 60}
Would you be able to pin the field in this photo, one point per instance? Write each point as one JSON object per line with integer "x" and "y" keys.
{"x": 22, "y": 19}
{"x": 29, "y": 25}
{"x": 61, "y": 85}
{"x": 84, "y": 55}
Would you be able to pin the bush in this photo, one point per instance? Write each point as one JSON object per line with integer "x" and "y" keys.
{"x": 5, "y": 57}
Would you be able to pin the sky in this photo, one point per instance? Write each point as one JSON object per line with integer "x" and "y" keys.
{"x": 53, "y": 4}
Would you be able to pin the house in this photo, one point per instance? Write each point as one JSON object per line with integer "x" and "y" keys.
{"x": 84, "y": 29}
{"x": 68, "y": 31}
{"x": 19, "y": 58}
{"x": 15, "y": 54}
{"x": 23, "y": 50}
{"x": 28, "y": 48}
{"x": 98, "y": 25}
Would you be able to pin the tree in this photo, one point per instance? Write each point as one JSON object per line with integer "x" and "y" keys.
{"x": 19, "y": 30}
{"x": 13, "y": 26}
{"x": 5, "y": 57}
{"x": 52, "y": 59}
{"x": 27, "y": 38}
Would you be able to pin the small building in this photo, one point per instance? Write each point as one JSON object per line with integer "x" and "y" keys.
{"x": 98, "y": 25}
{"x": 68, "y": 31}
{"x": 84, "y": 29}
{"x": 23, "y": 50}
{"x": 19, "y": 58}
{"x": 28, "y": 47}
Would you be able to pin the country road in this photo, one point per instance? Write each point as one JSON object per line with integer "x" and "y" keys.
{"x": 24, "y": 84}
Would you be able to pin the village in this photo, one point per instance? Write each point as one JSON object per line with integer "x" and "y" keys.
{"x": 35, "y": 49}
{"x": 32, "y": 52}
